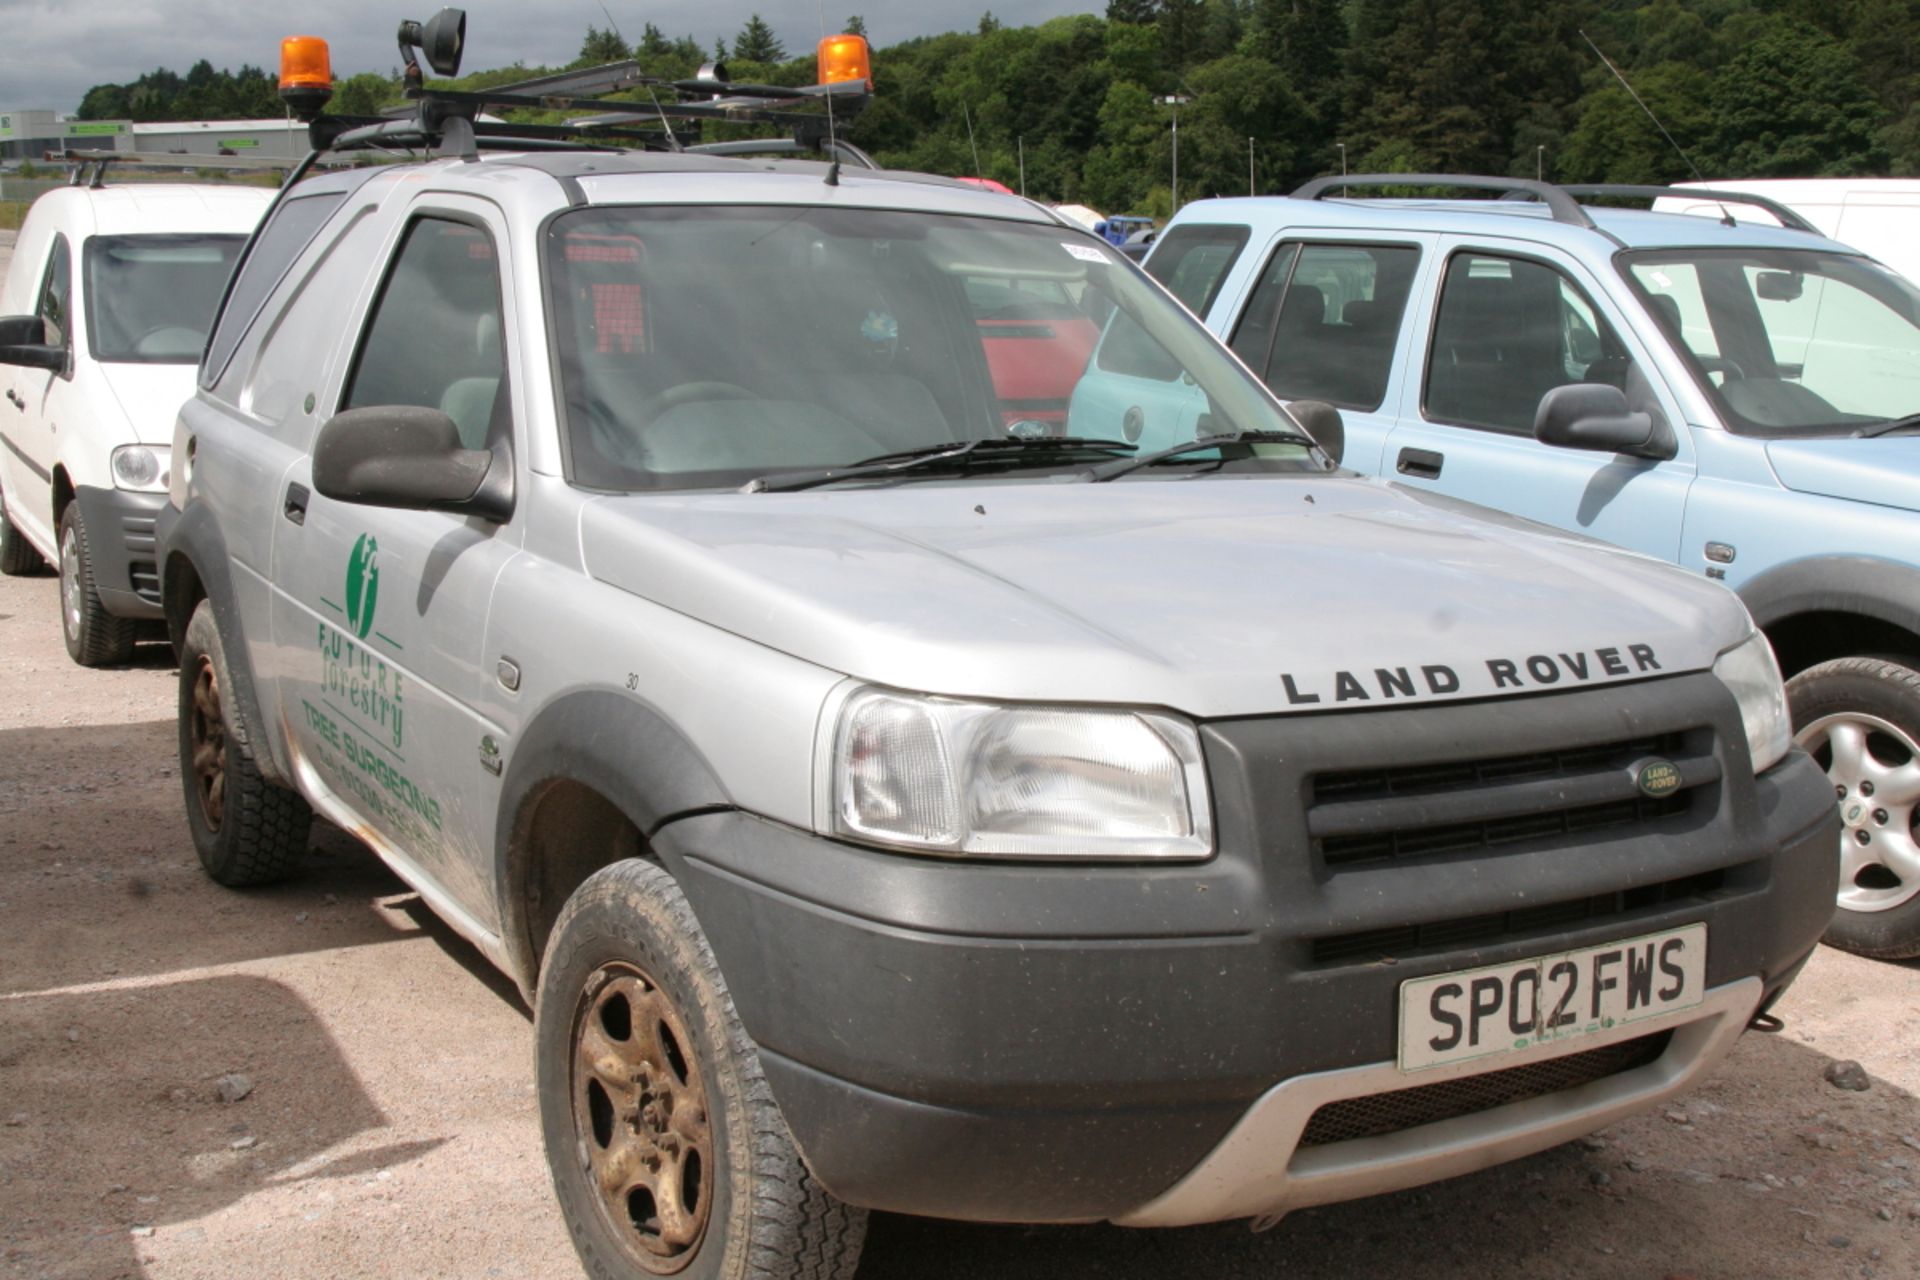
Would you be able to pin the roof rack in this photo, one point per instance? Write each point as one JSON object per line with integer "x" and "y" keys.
{"x": 1563, "y": 206}
{"x": 1787, "y": 217}
{"x": 89, "y": 168}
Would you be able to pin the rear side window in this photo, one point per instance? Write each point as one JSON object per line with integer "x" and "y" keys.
{"x": 1191, "y": 261}
{"x": 1324, "y": 319}
{"x": 1508, "y": 331}
{"x": 278, "y": 244}
{"x": 434, "y": 339}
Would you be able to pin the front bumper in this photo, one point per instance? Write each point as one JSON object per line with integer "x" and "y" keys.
{"x": 121, "y": 544}
{"x": 1007, "y": 1042}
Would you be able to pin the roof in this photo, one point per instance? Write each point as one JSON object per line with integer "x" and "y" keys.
{"x": 1628, "y": 228}
{"x": 159, "y": 207}
{"x": 627, "y": 177}
{"x": 224, "y": 126}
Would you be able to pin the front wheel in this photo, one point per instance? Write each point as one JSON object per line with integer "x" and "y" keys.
{"x": 1860, "y": 718}
{"x": 668, "y": 1153}
{"x": 95, "y": 638}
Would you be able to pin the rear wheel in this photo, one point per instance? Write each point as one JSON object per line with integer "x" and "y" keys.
{"x": 246, "y": 829}
{"x": 95, "y": 638}
{"x": 1860, "y": 718}
{"x": 668, "y": 1153}
{"x": 17, "y": 556}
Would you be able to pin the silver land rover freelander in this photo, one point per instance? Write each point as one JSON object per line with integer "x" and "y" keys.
{"x": 897, "y": 793}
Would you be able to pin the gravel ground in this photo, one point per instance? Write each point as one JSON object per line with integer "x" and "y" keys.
{"x": 387, "y": 1125}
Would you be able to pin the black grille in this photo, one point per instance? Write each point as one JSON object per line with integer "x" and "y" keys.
{"x": 1440, "y": 935}
{"x": 144, "y": 578}
{"x": 1415, "y": 811}
{"x": 1384, "y": 1113}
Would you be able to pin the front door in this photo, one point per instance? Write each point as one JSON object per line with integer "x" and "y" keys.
{"x": 37, "y": 401}
{"x": 380, "y": 613}
{"x": 1510, "y": 325}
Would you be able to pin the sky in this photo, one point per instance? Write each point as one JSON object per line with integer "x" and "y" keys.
{"x": 55, "y": 50}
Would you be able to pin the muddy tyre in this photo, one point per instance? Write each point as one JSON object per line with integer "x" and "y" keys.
{"x": 246, "y": 829}
{"x": 18, "y": 559}
{"x": 95, "y": 638}
{"x": 1860, "y": 719}
{"x": 668, "y": 1153}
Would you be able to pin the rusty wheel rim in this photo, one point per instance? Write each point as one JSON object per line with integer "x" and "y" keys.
{"x": 207, "y": 738}
{"x": 640, "y": 1119}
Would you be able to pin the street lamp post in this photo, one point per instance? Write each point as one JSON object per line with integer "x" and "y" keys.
{"x": 1343, "y": 166}
{"x": 1176, "y": 101}
{"x": 1540, "y": 163}
{"x": 1250, "y": 190}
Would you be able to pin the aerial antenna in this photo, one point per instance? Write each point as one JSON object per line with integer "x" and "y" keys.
{"x": 614, "y": 25}
{"x": 1608, "y": 63}
{"x": 833, "y": 140}
{"x": 968, "y": 115}
{"x": 665, "y": 123}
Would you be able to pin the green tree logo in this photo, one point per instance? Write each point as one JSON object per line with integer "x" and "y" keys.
{"x": 363, "y": 584}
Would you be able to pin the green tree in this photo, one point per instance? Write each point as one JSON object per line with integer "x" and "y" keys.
{"x": 363, "y": 94}
{"x": 1428, "y": 82}
{"x": 1614, "y": 141}
{"x": 602, "y": 47}
{"x": 1792, "y": 103}
{"x": 757, "y": 43}
{"x": 1137, "y": 12}
{"x": 856, "y": 26}
{"x": 1183, "y": 31}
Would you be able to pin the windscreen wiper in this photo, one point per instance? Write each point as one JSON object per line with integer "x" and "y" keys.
{"x": 1247, "y": 439}
{"x": 952, "y": 456}
{"x": 1907, "y": 423}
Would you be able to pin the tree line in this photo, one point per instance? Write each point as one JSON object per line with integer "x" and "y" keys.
{"x": 1077, "y": 105}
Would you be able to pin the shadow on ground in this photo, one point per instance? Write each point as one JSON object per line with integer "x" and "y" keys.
{"x": 114, "y": 1123}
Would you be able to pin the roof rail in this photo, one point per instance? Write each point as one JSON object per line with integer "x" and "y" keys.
{"x": 786, "y": 147}
{"x": 89, "y": 168}
{"x": 1563, "y": 206}
{"x": 1787, "y": 217}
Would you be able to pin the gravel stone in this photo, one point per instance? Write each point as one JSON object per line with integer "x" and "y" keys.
{"x": 1848, "y": 1074}
{"x": 232, "y": 1087}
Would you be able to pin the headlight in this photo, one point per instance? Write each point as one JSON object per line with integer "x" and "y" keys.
{"x": 972, "y": 779}
{"x": 142, "y": 467}
{"x": 1749, "y": 671}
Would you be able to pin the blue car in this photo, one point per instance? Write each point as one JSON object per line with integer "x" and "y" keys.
{"x": 1735, "y": 397}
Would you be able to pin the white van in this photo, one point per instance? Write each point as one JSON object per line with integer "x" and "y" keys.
{"x": 1878, "y": 216}
{"x": 103, "y": 316}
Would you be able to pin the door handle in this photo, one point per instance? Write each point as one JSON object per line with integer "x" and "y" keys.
{"x": 14, "y": 396}
{"x": 1422, "y": 464}
{"x": 296, "y": 504}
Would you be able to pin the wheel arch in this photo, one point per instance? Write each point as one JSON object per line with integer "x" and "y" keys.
{"x": 1835, "y": 607}
{"x": 590, "y": 780}
{"x": 195, "y": 566}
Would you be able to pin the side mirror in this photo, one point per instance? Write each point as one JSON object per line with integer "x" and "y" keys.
{"x": 409, "y": 457}
{"x": 1596, "y": 416}
{"x": 1779, "y": 286}
{"x": 1324, "y": 423}
{"x": 23, "y": 343}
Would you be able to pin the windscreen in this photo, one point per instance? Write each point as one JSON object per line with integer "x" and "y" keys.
{"x": 1790, "y": 342}
{"x": 151, "y": 298}
{"x": 704, "y": 347}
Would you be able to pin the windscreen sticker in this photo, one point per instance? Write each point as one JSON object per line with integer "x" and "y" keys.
{"x": 1086, "y": 253}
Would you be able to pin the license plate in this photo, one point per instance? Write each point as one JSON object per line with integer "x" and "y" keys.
{"x": 1504, "y": 1008}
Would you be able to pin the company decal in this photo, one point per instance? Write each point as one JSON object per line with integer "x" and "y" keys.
{"x": 1439, "y": 680}
{"x": 358, "y": 722}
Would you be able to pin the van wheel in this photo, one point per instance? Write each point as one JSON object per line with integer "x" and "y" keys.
{"x": 668, "y": 1153}
{"x": 246, "y": 829}
{"x": 18, "y": 559}
{"x": 95, "y": 638}
{"x": 1860, "y": 718}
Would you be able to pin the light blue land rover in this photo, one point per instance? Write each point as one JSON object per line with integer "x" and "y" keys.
{"x": 1738, "y": 398}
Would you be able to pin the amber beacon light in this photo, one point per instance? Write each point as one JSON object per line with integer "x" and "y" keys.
{"x": 845, "y": 58}
{"x": 306, "y": 75}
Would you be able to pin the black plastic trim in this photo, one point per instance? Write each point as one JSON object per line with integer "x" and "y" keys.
{"x": 119, "y": 536}
{"x": 1888, "y": 590}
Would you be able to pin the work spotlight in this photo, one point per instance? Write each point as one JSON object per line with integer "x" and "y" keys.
{"x": 442, "y": 38}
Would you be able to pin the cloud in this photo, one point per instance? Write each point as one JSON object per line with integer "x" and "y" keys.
{"x": 58, "y": 49}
